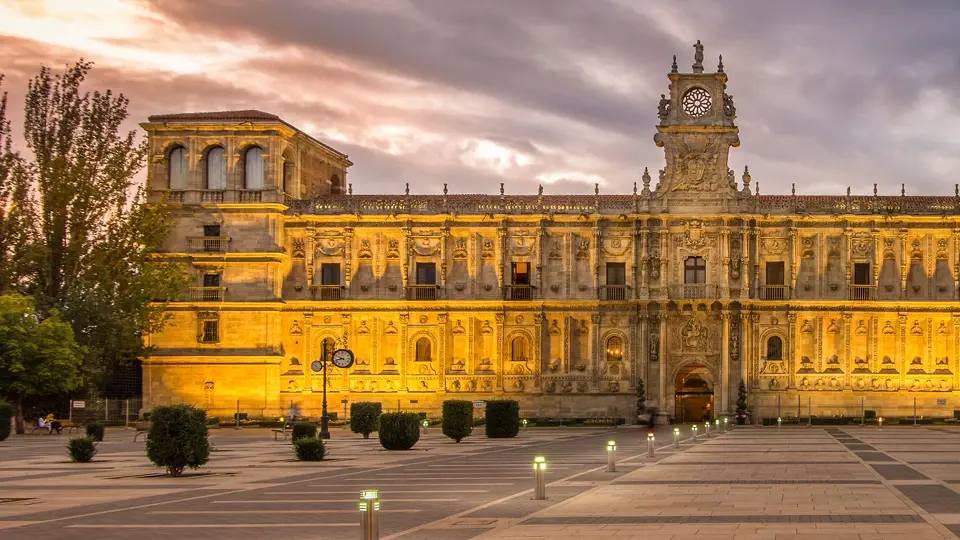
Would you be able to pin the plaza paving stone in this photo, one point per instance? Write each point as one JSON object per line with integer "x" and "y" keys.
{"x": 800, "y": 482}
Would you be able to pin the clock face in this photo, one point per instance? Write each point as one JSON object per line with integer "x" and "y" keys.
{"x": 696, "y": 102}
{"x": 342, "y": 358}
{"x": 317, "y": 366}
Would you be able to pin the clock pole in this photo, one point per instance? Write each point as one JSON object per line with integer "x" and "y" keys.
{"x": 324, "y": 421}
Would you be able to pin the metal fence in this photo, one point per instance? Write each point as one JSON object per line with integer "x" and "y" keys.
{"x": 108, "y": 411}
{"x": 803, "y": 410}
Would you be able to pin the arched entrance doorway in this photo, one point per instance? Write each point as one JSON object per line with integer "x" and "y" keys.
{"x": 694, "y": 394}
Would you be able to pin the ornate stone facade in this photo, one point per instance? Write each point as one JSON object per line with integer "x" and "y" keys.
{"x": 560, "y": 301}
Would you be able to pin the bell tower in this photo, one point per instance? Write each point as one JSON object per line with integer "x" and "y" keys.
{"x": 696, "y": 132}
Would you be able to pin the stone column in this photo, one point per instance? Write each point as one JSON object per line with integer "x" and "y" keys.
{"x": 444, "y": 350}
{"x": 404, "y": 322}
{"x": 725, "y": 365}
{"x": 725, "y": 259}
{"x": 662, "y": 367}
{"x": 903, "y": 263}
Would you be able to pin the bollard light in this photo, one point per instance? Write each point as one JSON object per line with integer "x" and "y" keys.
{"x": 425, "y": 424}
{"x": 706, "y": 428}
{"x": 611, "y": 456}
{"x": 540, "y": 490}
{"x": 524, "y": 424}
{"x": 779, "y": 421}
{"x": 717, "y": 426}
{"x": 693, "y": 430}
{"x": 650, "y": 439}
{"x": 725, "y": 424}
{"x": 370, "y": 514}
{"x": 880, "y": 422}
{"x": 676, "y": 437}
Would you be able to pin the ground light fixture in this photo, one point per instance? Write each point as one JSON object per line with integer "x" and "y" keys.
{"x": 425, "y": 424}
{"x": 370, "y": 514}
{"x": 676, "y": 437}
{"x": 779, "y": 422}
{"x": 611, "y": 456}
{"x": 650, "y": 440}
{"x": 693, "y": 430}
{"x": 880, "y": 422}
{"x": 540, "y": 489}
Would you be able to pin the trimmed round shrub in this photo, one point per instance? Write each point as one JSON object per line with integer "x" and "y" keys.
{"x": 364, "y": 417}
{"x": 95, "y": 431}
{"x": 309, "y": 449}
{"x": 457, "y": 420}
{"x": 304, "y": 430}
{"x": 177, "y": 438}
{"x": 6, "y": 413}
{"x": 82, "y": 449}
{"x": 399, "y": 431}
{"x": 503, "y": 418}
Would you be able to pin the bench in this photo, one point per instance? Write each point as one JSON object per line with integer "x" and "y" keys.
{"x": 284, "y": 431}
{"x": 69, "y": 426}
{"x": 140, "y": 429}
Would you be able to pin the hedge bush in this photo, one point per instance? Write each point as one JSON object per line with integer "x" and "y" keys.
{"x": 177, "y": 438}
{"x": 309, "y": 449}
{"x": 304, "y": 430}
{"x": 399, "y": 431}
{"x": 95, "y": 431}
{"x": 82, "y": 449}
{"x": 502, "y": 418}
{"x": 6, "y": 413}
{"x": 457, "y": 420}
{"x": 365, "y": 417}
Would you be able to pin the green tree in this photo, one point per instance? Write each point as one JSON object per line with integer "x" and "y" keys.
{"x": 742, "y": 399}
{"x": 87, "y": 236}
{"x": 17, "y": 216}
{"x": 641, "y": 397}
{"x": 38, "y": 356}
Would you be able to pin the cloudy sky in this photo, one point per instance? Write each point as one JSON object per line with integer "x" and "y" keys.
{"x": 562, "y": 93}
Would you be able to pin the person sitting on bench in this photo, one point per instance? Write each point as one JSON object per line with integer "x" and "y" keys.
{"x": 43, "y": 424}
{"x": 55, "y": 424}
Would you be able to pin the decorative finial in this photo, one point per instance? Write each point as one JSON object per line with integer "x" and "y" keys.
{"x": 956, "y": 190}
{"x": 444, "y": 188}
{"x": 720, "y": 65}
{"x": 407, "y": 190}
{"x": 848, "y": 191}
{"x": 746, "y": 179}
{"x": 698, "y": 57}
{"x": 758, "y": 189}
{"x": 793, "y": 189}
{"x": 903, "y": 190}
{"x": 646, "y": 181}
{"x": 540, "y": 190}
{"x": 874, "y": 190}
{"x": 596, "y": 188}
{"x": 673, "y": 68}
{"x": 501, "y": 189}
{"x": 350, "y": 188}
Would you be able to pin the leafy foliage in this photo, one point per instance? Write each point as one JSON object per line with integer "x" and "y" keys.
{"x": 742, "y": 399}
{"x": 177, "y": 438}
{"x": 95, "y": 431}
{"x": 75, "y": 233}
{"x": 304, "y": 430}
{"x": 457, "y": 421}
{"x": 38, "y": 356}
{"x": 365, "y": 417}
{"x": 399, "y": 431}
{"x": 82, "y": 449}
{"x": 641, "y": 397}
{"x": 6, "y": 413}
{"x": 309, "y": 449}
{"x": 503, "y": 418}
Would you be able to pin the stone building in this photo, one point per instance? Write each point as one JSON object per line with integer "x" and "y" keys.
{"x": 692, "y": 283}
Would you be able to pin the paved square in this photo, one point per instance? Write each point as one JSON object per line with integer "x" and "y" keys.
{"x": 751, "y": 483}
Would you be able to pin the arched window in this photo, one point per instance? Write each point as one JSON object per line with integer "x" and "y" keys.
{"x": 326, "y": 350}
{"x": 178, "y": 168}
{"x": 216, "y": 169}
{"x": 253, "y": 168}
{"x": 614, "y": 349}
{"x": 336, "y": 185}
{"x": 774, "y": 348}
{"x": 695, "y": 270}
{"x": 518, "y": 349}
{"x": 423, "y": 350}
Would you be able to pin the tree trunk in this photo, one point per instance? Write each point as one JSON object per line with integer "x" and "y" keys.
{"x": 19, "y": 425}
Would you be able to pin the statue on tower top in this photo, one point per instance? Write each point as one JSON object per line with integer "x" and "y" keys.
{"x": 698, "y": 57}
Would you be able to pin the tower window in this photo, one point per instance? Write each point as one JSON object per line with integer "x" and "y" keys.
{"x": 253, "y": 168}
{"x": 216, "y": 169}
{"x": 694, "y": 270}
{"x": 178, "y": 168}
{"x": 614, "y": 349}
{"x": 774, "y": 348}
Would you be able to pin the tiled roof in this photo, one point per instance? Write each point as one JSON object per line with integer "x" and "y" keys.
{"x": 215, "y": 116}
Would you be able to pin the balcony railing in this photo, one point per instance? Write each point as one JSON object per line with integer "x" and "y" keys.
{"x": 518, "y": 292}
{"x": 775, "y": 292}
{"x": 695, "y": 291}
{"x": 326, "y": 292}
{"x": 207, "y": 244}
{"x": 251, "y": 195}
{"x": 211, "y": 196}
{"x": 861, "y": 292}
{"x": 207, "y": 294}
{"x": 421, "y": 292}
{"x": 613, "y": 292}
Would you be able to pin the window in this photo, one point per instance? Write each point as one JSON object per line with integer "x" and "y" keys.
{"x": 423, "y": 350}
{"x": 253, "y": 168}
{"x": 211, "y": 230}
{"x": 861, "y": 274}
{"x": 426, "y": 274}
{"x": 521, "y": 273}
{"x": 614, "y": 349}
{"x": 336, "y": 185}
{"x": 211, "y": 280}
{"x": 695, "y": 270}
{"x": 518, "y": 349}
{"x": 775, "y": 273}
{"x": 616, "y": 274}
{"x": 330, "y": 274}
{"x": 774, "y": 348}
{"x": 178, "y": 168}
{"x": 216, "y": 169}
{"x": 211, "y": 331}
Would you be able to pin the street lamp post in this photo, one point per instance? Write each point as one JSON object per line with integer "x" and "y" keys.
{"x": 324, "y": 420}
{"x": 343, "y": 359}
